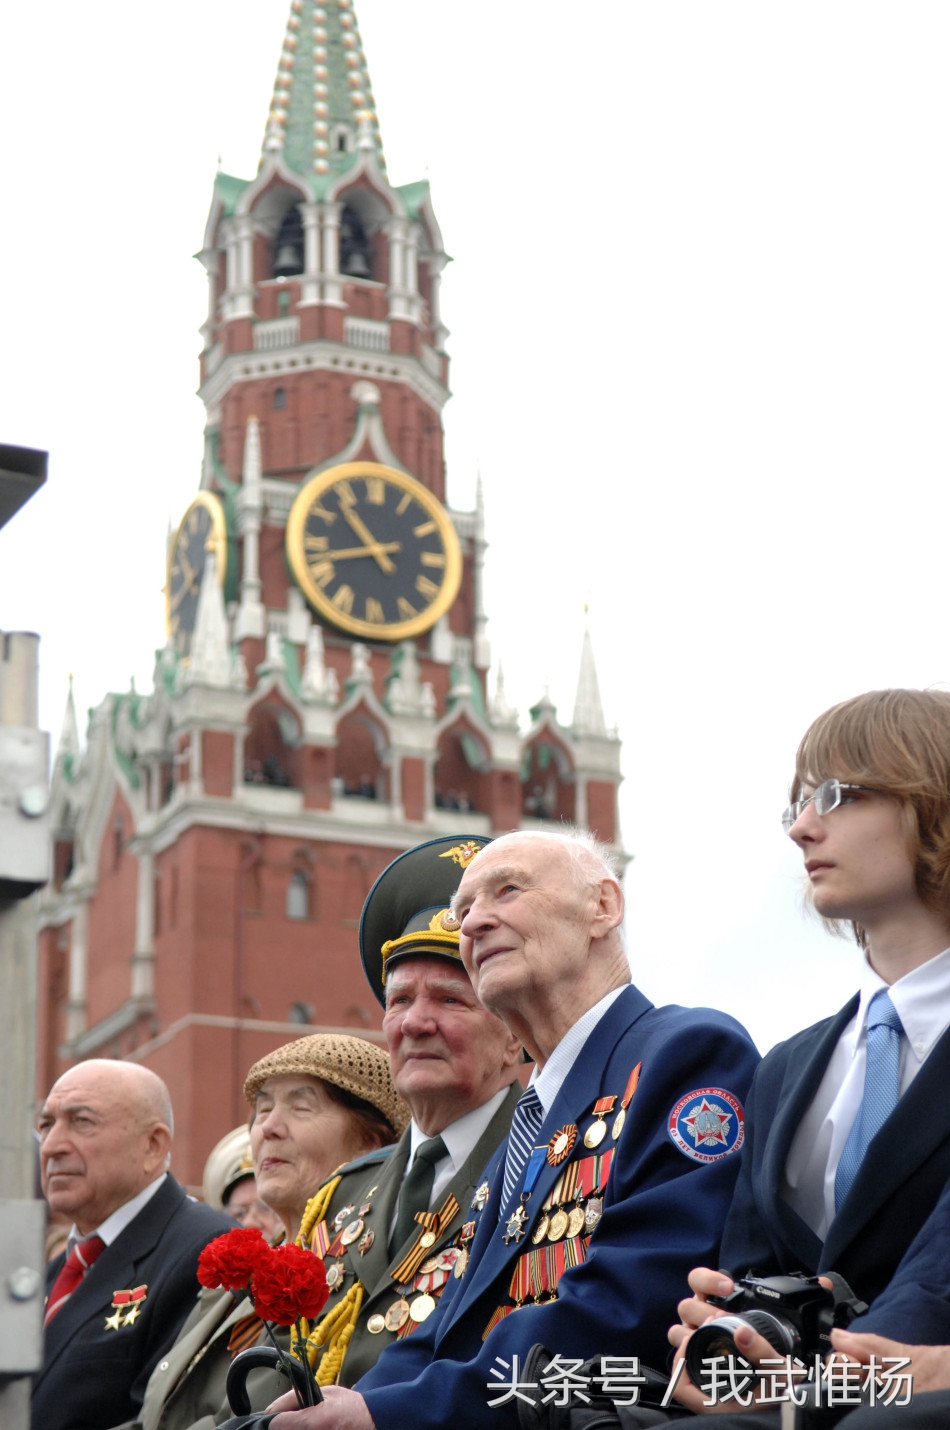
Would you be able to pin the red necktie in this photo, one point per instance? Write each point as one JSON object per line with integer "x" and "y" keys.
{"x": 72, "y": 1271}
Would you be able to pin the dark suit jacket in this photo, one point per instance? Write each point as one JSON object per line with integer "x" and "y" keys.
{"x": 897, "y": 1187}
{"x": 662, "y": 1214}
{"x": 93, "y": 1376}
{"x": 373, "y": 1268}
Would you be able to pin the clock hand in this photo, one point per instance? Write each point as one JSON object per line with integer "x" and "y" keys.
{"x": 364, "y": 534}
{"x": 177, "y": 600}
{"x": 189, "y": 570}
{"x": 344, "y": 555}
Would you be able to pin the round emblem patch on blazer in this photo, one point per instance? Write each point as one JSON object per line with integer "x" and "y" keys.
{"x": 707, "y": 1124}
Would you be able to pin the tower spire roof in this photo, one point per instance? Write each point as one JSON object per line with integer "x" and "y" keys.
{"x": 588, "y": 710}
{"x": 322, "y": 116}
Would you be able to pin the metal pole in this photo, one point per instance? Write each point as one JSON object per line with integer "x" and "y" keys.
{"x": 24, "y": 865}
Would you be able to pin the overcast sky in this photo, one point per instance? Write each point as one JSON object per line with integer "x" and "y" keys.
{"x": 699, "y": 306}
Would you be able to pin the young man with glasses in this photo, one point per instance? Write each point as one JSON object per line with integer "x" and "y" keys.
{"x": 848, "y": 1143}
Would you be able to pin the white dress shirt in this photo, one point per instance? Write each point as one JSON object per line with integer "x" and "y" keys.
{"x": 548, "y": 1082}
{"x": 922, "y": 1000}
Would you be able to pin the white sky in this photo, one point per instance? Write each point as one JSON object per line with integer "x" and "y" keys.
{"x": 699, "y": 311}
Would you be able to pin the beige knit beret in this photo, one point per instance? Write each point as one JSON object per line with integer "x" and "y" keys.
{"x": 358, "y": 1066}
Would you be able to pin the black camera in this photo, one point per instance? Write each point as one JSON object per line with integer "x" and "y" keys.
{"x": 795, "y": 1314}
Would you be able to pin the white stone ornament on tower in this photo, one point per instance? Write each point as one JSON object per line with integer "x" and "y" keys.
{"x": 501, "y": 713}
{"x": 251, "y": 619}
{"x": 210, "y": 648}
{"x": 318, "y": 683}
{"x": 588, "y": 710}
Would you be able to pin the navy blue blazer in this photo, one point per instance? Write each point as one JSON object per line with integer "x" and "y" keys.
{"x": 897, "y": 1186}
{"x": 94, "y": 1374}
{"x": 662, "y": 1214}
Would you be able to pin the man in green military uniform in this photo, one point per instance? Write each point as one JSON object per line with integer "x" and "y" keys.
{"x": 393, "y": 1233}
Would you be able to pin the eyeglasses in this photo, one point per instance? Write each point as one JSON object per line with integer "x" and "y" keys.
{"x": 828, "y": 795}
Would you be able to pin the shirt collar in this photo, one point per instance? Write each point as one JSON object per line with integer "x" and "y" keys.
{"x": 120, "y": 1218}
{"x": 922, "y": 1000}
{"x": 548, "y": 1082}
{"x": 461, "y": 1135}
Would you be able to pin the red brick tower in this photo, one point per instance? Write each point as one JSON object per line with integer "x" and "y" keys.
{"x": 321, "y": 703}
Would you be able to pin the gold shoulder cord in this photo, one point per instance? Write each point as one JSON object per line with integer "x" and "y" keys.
{"x": 336, "y": 1329}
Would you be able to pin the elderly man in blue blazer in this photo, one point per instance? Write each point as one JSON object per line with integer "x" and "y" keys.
{"x": 617, "y": 1172}
{"x": 118, "y": 1295}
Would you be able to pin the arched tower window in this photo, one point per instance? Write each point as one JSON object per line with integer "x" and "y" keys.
{"x": 288, "y": 245}
{"x": 298, "y": 895}
{"x": 356, "y": 256}
{"x": 280, "y": 397}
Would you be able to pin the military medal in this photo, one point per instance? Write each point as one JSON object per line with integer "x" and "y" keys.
{"x": 343, "y": 1216}
{"x": 481, "y": 1196}
{"x": 630, "y": 1089}
{"x": 126, "y": 1306}
{"x": 397, "y": 1315}
{"x": 575, "y": 1222}
{"x": 458, "y": 1270}
{"x": 335, "y": 1275}
{"x": 375, "y": 1324}
{"x": 541, "y": 1230}
{"x": 432, "y": 1264}
{"x": 353, "y": 1232}
{"x": 422, "y": 1307}
{"x": 558, "y": 1226}
{"x": 515, "y": 1225}
{"x": 366, "y": 1241}
{"x": 594, "y": 1212}
{"x": 597, "y": 1131}
{"x": 427, "y": 1239}
{"x": 561, "y": 1143}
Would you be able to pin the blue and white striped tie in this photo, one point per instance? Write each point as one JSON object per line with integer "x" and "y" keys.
{"x": 528, "y": 1117}
{"x": 881, "y": 1089}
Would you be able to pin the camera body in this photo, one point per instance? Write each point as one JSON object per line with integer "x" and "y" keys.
{"x": 794, "y": 1313}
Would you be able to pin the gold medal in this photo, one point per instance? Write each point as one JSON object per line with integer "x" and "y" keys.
{"x": 431, "y": 1264}
{"x": 458, "y": 1271}
{"x": 558, "y": 1225}
{"x": 561, "y": 1143}
{"x": 335, "y": 1275}
{"x": 422, "y": 1307}
{"x": 353, "y": 1232}
{"x": 541, "y": 1230}
{"x": 375, "y": 1324}
{"x": 619, "y": 1120}
{"x": 427, "y": 1239}
{"x": 575, "y": 1222}
{"x": 397, "y": 1315}
{"x": 595, "y": 1133}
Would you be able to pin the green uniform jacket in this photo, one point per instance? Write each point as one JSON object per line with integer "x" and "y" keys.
{"x": 373, "y": 1267}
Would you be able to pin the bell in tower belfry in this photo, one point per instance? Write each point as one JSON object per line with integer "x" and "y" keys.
{"x": 355, "y": 257}
{"x": 288, "y": 246}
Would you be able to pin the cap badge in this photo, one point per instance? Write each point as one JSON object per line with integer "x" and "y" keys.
{"x": 462, "y": 853}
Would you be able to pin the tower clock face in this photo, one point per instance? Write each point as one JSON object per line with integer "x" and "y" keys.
{"x": 202, "y": 530}
{"x": 374, "y": 551}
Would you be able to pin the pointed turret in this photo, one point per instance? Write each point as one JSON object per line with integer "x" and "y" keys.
{"x": 588, "y": 710}
{"x": 322, "y": 114}
{"x": 69, "y": 749}
{"x": 210, "y": 650}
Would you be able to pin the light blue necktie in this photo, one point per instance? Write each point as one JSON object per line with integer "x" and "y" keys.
{"x": 525, "y": 1124}
{"x": 881, "y": 1089}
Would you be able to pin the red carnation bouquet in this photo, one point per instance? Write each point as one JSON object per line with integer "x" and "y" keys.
{"x": 284, "y": 1284}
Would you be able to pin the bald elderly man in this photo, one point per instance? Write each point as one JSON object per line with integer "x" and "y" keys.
{"x": 619, "y": 1166}
{"x": 117, "y": 1297}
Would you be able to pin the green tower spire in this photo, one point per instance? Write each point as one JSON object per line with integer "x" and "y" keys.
{"x": 322, "y": 114}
